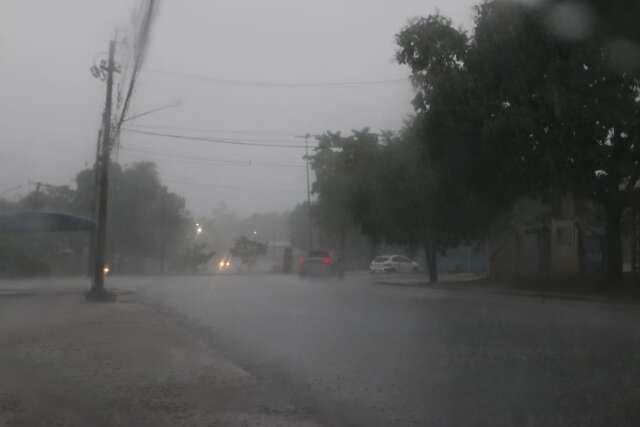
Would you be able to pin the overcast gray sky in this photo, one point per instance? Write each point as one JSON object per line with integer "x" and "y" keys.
{"x": 51, "y": 105}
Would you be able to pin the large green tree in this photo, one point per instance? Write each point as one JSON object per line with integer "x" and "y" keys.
{"x": 522, "y": 111}
{"x": 448, "y": 182}
{"x": 146, "y": 220}
{"x": 417, "y": 206}
{"x": 571, "y": 113}
{"x": 389, "y": 190}
{"x": 346, "y": 185}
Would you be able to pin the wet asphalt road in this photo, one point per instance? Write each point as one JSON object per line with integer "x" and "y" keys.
{"x": 374, "y": 355}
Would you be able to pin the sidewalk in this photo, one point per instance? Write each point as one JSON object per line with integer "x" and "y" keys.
{"x": 66, "y": 362}
{"x": 422, "y": 280}
{"x": 478, "y": 283}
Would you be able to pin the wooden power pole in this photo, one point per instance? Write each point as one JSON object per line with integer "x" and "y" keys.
{"x": 309, "y": 217}
{"x": 97, "y": 288}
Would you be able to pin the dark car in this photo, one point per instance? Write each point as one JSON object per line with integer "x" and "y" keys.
{"x": 320, "y": 263}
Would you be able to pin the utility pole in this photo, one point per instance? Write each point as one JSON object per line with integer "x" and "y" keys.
{"x": 97, "y": 288}
{"x": 93, "y": 207}
{"x": 306, "y": 157}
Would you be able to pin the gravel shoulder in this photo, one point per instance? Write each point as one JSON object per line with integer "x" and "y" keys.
{"x": 66, "y": 362}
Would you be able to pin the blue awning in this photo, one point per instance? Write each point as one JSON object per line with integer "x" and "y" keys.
{"x": 31, "y": 222}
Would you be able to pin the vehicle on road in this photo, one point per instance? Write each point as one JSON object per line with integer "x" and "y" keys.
{"x": 320, "y": 263}
{"x": 393, "y": 264}
{"x": 226, "y": 265}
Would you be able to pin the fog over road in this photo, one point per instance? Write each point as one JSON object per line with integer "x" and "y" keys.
{"x": 367, "y": 354}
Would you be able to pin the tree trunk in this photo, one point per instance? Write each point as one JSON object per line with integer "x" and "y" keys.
{"x": 342, "y": 263}
{"x": 431, "y": 255}
{"x": 90, "y": 254}
{"x": 518, "y": 254}
{"x": 373, "y": 248}
{"x": 163, "y": 259}
{"x": 614, "y": 245}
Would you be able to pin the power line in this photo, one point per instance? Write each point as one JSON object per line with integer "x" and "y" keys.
{"x": 218, "y": 130}
{"x": 190, "y": 158}
{"x": 291, "y": 134}
{"x": 213, "y": 140}
{"x": 152, "y": 111}
{"x": 276, "y": 164}
{"x": 205, "y": 160}
{"x": 273, "y": 84}
{"x": 235, "y": 188}
{"x": 278, "y": 140}
{"x": 140, "y": 39}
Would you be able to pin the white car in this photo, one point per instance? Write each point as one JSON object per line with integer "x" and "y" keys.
{"x": 393, "y": 264}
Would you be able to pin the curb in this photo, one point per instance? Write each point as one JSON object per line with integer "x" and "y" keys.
{"x": 30, "y": 293}
{"x": 631, "y": 300}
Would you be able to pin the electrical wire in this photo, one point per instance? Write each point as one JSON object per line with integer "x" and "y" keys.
{"x": 235, "y": 188}
{"x": 218, "y": 130}
{"x": 152, "y": 111}
{"x": 278, "y": 140}
{"x": 141, "y": 31}
{"x": 273, "y": 84}
{"x": 277, "y": 165}
{"x": 205, "y": 160}
{"x": 190, "y": 158}
{"x": 214, "y": 140}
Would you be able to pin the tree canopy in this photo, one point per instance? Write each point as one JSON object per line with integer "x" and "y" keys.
{"x": 146, "y": 221}
{"x": 525, "y": 112}
{"x": 511, "y": 109}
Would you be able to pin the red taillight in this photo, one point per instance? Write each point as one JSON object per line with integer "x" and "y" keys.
{"x": 326, "y": 260}
{"x": 301, "y": 260}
